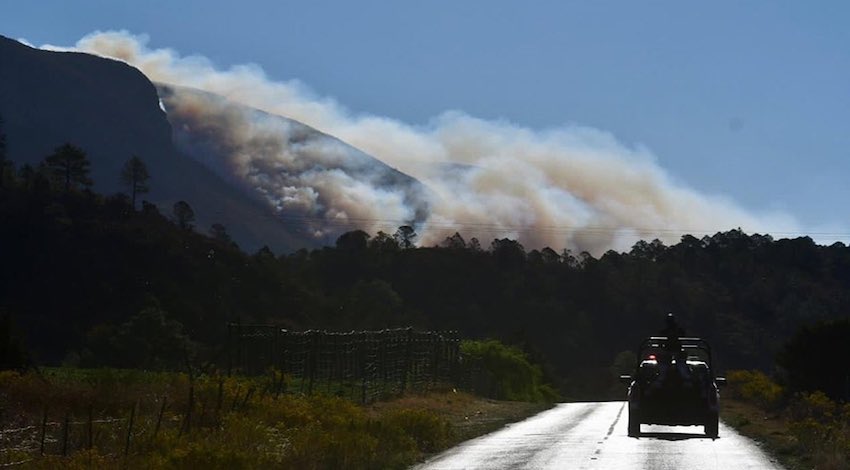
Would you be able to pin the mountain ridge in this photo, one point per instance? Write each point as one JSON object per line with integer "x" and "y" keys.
{"x": 113, "y": 111}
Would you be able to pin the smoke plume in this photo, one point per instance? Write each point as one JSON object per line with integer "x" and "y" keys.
{"x": 569, "y": 187}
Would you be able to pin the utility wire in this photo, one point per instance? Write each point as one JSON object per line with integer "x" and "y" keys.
{"x": 494, "y": 227}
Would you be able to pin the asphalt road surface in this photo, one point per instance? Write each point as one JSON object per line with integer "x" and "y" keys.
{"x": 593, "y": 436}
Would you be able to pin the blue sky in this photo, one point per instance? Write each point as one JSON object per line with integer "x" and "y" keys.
{"x": 749, "y": 100}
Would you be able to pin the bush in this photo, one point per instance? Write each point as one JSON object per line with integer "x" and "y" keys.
{"x": 234, "y": 424}
{"x": 504, "y": 372}
{"x": 429, "y": 431}
{"x": 756, "y": 387}
{"x": 822, "y": 429}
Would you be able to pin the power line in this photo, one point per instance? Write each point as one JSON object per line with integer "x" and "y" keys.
{"x": 357, "y": 222}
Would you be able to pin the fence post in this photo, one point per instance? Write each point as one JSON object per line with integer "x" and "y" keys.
{"x": 454, "y": 370}
{"x": 300, "y": 344}
{"x": 279, "y": 385}
{"x": 91, "y": 437}
{"x": 129, "y": 433}
{"x": 159, "y": 417}
{"x": 361, "y": 350}
{"x": 383, "y": 359}
{"x": 278, "y": 352}
{"x": 65, "y": 435}
{"x": 436, "y": 340}
{"x": 187, "y": 424}
{"x": 238, "y": 343}
{"x": 329, "y": 347}
{"x": 247, "y": 397}
{"x": 43, "y": 430}
{"x": 407, "y": 358}
{"x": 219, "y": 397}
{"x": 284, "y": 350}
{"x": 229, "y": 348}
{"x": 235, "y": 399}
{"x": 314, "y": 344}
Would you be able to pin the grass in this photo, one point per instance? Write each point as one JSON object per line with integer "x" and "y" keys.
{"x": 470, "y": 416}
{"x": 218, "y": 422}
{"x": 803, "y": 430}
{"x": 771, "y": 430}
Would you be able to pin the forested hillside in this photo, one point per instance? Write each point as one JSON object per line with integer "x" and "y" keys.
{"x": 91, "y": 279}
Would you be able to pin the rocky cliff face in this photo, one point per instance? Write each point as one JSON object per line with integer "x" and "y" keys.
{"x": 112, "y": 111}
{"x": 106, "y": 107}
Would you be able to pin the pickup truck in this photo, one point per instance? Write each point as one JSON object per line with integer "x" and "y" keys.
{"x": 674, "y": 384}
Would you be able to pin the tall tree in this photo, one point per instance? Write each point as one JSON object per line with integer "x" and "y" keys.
{"x": 135, "y": 175}
{"x": 183, "y": 214}
{"x": 455, "y": 242}
{"x": 219, "y": 232}
{"x": 356, "y": 240}
{"x": 816, "y": 359}
{"x": 69, "y": 165}
{"x": 405, "y": 235}
{"x": 383, "y": 243}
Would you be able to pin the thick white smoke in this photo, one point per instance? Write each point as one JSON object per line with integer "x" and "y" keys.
{"x": 572, "y": 187}
{"x": 298, "y": 171}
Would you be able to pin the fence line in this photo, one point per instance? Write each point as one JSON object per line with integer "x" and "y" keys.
{"x": 360, "y": 365}
{"x": 363, "y": 365}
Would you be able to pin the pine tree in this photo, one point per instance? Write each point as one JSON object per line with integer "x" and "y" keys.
{"x": 183, "y": 214}
{"x": 69, "y": 165}
{"x": 135, "y": 175}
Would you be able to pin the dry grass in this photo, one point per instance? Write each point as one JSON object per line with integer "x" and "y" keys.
{"x": 469, "y": 415}
{"x": 804, "y": 431}
{"x": 235, "y": 423}
{"x": 768, "y": 428}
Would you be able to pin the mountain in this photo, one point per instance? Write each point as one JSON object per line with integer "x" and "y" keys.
{"x": 304, "y": 174}
{"x": 112, "y": 111}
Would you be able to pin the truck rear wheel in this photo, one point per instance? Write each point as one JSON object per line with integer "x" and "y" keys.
{"x": 712, "y": 426}
{"x": 634, "y": 424}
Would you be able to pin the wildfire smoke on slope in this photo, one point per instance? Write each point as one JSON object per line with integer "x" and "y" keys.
{"x": 569, "y": 187}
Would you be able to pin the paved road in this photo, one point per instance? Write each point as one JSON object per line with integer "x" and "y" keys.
{"x": 593, "y": 436}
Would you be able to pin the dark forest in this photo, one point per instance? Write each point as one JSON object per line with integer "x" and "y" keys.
{"x": 88, "y": 279}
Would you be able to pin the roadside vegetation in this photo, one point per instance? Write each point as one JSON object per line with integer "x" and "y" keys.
{"x": 802, "y": 412}
{"x": 119, "y": 285}
{"x": 115, "y": 418}
{"x": 504, "y": 372}
{"x": 805, "y": 430}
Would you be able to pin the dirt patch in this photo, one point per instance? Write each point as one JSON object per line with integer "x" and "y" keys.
{"x": 770, "y": 430}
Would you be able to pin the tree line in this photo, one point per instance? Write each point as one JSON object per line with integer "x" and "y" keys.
{"x": 90, "y": 279}
{"x": 67, "y": 169}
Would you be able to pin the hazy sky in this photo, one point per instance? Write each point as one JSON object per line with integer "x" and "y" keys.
{"x": 750, "y": 100}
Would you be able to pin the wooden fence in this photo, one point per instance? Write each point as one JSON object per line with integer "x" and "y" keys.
{"x": 364, "y": 365}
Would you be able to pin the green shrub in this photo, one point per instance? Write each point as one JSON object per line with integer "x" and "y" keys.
{"x": 756, "y": 387}
{"x": 429, "y": 431}
{"x": 822, "y": 429}
{"x": 820, "y": 426}
{"x": 504, "y": 372}
{"x": 227, "y": 430}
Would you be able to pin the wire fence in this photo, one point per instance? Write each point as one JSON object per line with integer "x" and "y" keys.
{"x": 122, "y": 434}
{"x": 72, "y": 433}
{"x": 362, "y": 365}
